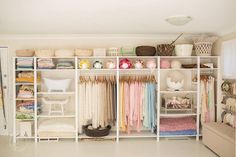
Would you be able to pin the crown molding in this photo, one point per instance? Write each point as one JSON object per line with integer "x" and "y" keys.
{"x": 95, "y": 36}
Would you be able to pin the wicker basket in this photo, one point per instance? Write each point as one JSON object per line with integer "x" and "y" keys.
{"x": 83, "y": 52}
{"x": 25, "y": 53}
{"x": 64, "y": 53}
{"x": 44, "y": 53}
{"x": 165, "y": 49}
{"x": 113, "y": 51}
{"x": 97, "y": 132}
{"x": 203, "y": 48}
{"x": 127, "y": 51}
{"x": 145, "y": 51}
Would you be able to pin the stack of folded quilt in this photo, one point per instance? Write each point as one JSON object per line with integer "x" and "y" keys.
{"x": 45, "y": 63}
{"x": 26, "y": 92}
{"x": 65, "y": 64}
{"x": 25, "y": 110}
{"x": 25, "y": 77}
{"x": 24, "y": 63}
{"x": 178, "y": 126}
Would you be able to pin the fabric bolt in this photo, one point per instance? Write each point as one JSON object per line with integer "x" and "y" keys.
{"x": 177, "y": 124}
{"x": 182, "y": 132}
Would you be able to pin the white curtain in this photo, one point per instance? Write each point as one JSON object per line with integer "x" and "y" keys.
{"x": 229, "y": 59}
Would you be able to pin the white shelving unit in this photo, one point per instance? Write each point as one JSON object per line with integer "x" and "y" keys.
{"x": 192, "y": 88}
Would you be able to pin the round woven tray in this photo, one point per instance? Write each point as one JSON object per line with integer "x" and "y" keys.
{"x": 96, "y": 132}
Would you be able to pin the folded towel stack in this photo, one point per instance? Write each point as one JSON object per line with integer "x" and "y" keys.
{"x": 24, "y": 63}
{"x": 178, "y": 126}
{"x": 65, "y": 64}
{"x": 25, "y": 77}
{"x": 45, "y": 63}
{"x": 26, "y": 92}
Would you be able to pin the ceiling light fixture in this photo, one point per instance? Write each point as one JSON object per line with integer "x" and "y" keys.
{"x": 179, "y": 20}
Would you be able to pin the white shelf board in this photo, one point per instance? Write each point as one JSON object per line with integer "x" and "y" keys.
{"x": 112, "y": 135}
{"x": 143, "y": 69}
{"x": 98, "y": 57}
{"x": 55, "y": 70}
{"x": 209, "y": 69}
{"x": 58, "y": 137}
{"x": 18, "y": 84}
{"x": 56, "y": 116}
{"x": 25, "y": 137}
{"x": 180, "y": 69}
{"x": 139, "y": 57}
{"x": 24, "y": 70}
{"x": 179, "y": 57}
{"x": 55, "y": 93}
{"x": 72, "y": 57}
{"x": 23, "y": 57}
{"x": 25, "y": 99}
{"x": 24, "y": 119}
{"x": 214, "y": 57}
{"x": 184, "y": 91}
{"x": 177, "y": 114}
{"x": 178, "y": 135}
{"x": 135, "y": 134}
{"x": 97, "y": 70}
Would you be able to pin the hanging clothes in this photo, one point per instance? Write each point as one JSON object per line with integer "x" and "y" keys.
{"x": 207, "y": 94}
{"x": 97, "y": 101}
{"x": 137, "y": 103}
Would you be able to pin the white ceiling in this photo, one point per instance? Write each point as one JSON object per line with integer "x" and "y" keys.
{"x": 115, "y": 16}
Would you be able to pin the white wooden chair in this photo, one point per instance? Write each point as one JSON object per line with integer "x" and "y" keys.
{"x": 56, "y": 106}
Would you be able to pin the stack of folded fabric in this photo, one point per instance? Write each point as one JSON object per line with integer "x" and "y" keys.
{"x": 26, "y": 92}
{"x": 25, "y": 77}
{"x": 65, "y": 64}
{"x": 24, "y": 63}
{"x": 45, "y": 63}
{"x": 25, "y": 110}
{"x": 178, "y": 126}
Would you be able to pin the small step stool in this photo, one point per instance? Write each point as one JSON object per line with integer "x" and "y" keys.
{"x": 56, "y": 106}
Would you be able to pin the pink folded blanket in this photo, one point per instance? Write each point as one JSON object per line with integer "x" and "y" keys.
{"x": 177, "y": 124}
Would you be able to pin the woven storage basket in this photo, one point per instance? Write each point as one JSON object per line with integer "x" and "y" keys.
{"x": 113, "y": 51}
{"x": 83, "y": 52}
{"x": 97, "y": 132}
{"x": 44, "y": 53}
{"x": 145, "y": 51}
{"x": 25, "y": 53}
{"x": 127, "y": 51}
{"x": 203, "y": 48}
{"x": 64, "y": 53}
{"x": 165, "y": 49}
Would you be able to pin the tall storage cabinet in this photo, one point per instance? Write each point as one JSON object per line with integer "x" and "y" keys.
{"x": 40, "y": 108}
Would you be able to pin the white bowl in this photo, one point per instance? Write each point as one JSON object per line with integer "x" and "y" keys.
{"x": 174, "y": 85}
{"x": 57, "y": 85}
{"x": 183, "y": 49}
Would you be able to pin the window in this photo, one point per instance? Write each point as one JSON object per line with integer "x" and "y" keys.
{"x": 229, "y": 59}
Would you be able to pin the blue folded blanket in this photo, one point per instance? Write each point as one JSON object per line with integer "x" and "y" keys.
{"x": 182, "y": 132}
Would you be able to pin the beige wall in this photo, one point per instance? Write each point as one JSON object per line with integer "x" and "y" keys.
{"x": 217, "y": 45}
